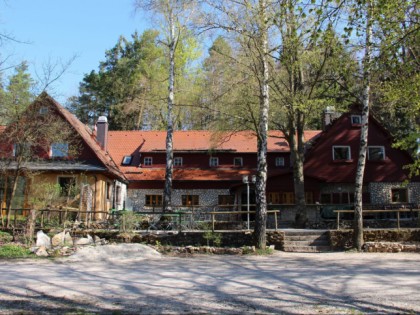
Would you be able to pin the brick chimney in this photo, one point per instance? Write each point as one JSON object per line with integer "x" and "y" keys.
{"x": 102, "y": 131}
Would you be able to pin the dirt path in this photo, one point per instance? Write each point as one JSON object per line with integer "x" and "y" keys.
{"x": 286, "y": 283}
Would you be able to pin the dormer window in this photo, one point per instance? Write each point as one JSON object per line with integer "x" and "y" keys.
{"x": 178, "y": 161}
{"x": 214, "y": 161}
{"x": 279, "y": 161}
{"x": 376, "y": 153}
{"x": 237, "y": 161}
{"x": 356, "y": 119}
{"x": 59, "y": 150}
{"x": 127, "y": 160}
{"x": 148, "y": 161}
{"x": 341, "y": 153}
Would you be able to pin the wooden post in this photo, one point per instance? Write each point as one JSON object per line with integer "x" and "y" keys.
{"x": 275, "y": 219}
{"x": 42, "y": 218}
{"x": 212, "y": 222}
{"x": 14, "y": 220}
{"x": 338, "y": 220}
{"x": 179, "y": 220}
{"x": 398, "y": 219}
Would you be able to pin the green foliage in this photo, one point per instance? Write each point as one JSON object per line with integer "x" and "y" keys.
{"x": 14, "y": 251}
{"x": 44, "y": 194}
{"x": 128, "y": 221}
{"x": 5, "y": 237}
{"x": 214, "y": 238}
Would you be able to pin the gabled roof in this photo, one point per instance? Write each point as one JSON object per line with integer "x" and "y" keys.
{"x": 319, "y": 162}
{"x": 84, "y": 132}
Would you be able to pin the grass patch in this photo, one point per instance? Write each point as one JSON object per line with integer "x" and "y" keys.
{"x": 14, "y": 251}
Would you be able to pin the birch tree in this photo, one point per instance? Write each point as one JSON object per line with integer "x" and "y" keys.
{"x": 249, "y": 22}
{"x": 174, "y": 16}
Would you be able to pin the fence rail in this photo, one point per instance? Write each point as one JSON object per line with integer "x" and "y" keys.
{"x": 375, "y": 211}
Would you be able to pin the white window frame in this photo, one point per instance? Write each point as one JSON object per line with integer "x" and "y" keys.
{"x": 376, "y": 147}
{"x": 214, "y": 161}
{"x": 341, "y": 146}
{"x": 240, "y": 159}
{"x": 148, "y": 161}
{"x": 359, "y": 117}
{"x": 127, "y": 159}
{"x": 278, "y": 163}
{"x": 61, "y": 147}
{"x": 178, "y": 161}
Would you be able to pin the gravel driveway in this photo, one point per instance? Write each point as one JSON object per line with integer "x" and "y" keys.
{"x": 288, "y": 283}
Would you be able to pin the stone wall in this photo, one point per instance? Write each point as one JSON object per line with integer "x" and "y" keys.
{"x": 380, "y": 193}
{"x": 208, "y": 198}
{"x": 342, "y": 239}
{"x": 193, "y": 238}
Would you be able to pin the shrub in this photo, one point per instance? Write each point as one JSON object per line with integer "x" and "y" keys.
{"x": 5, "y": 237}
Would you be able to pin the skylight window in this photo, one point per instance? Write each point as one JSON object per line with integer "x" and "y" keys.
{"x": 127, "y": 160}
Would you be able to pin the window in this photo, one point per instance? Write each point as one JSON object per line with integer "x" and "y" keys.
{"x": 376, "y": 153}
{"x": 148, "y": 160}
{"x": 279, "y": 161}
{"x": 237, "y": 161}
{"x": 214, "y": 161}
{"x": 190, "y": 200}
{"x": 118, "y": 195}
{"x": 356, "y": 119}
{"x": 127, "y": 160}
{"x": 178, "y": 161}
{"x": 399, "y": 195}
{"x": 309, "y": 197}
{"x": 225, "y": 200}
{"x": 273, "y": 198}
{"x": 67, "y": 186}
{"x": 21, "y": 149}
{"x": 59, "y": 150}
{"x": 287, "y": 198}
{"x": 341, "y": 153}
{"x": 43, "y": 110}
{"x": 153, "y": 200}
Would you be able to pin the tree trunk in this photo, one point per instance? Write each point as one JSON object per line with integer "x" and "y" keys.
{"x": 30, "y": 226}
{"x": 261, "y": 198}
{"x": 9, "y": 202}
{"x": 298, "y": 152}
{"x": 358, "y": 190}
{"x": 167, "y": 193}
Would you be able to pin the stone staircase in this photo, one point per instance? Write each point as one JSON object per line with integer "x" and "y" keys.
{"x": 306, "y": 241}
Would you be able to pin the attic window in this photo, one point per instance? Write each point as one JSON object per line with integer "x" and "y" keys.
{"x": 127, "y": 160}
{"x": 376, "y": 153}
{"x": 59, "y": 150}
{"x": 178, "y": 161}
{"x": 341, "y": 153}
{"x": 43, "y": 110}
{"x": 148, "y": 161}
{"x": 356, "y": 119}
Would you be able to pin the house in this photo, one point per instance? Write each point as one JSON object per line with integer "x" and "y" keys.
{"x": 333, "y": 159}
{"x": 209, "y": 168}
{"x": 100, "y": 183}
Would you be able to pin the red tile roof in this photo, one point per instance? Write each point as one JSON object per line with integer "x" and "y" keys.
{"x": 122, "y": 143}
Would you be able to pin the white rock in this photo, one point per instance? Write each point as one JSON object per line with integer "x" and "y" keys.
{"x": 43, "y": 240}
{"x": 84, "y": 241}
{"x": 42, "y": 252}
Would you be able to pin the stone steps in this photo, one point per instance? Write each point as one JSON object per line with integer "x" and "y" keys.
{"x": 306, "y": 241}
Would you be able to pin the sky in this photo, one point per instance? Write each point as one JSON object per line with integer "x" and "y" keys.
{"x": 53, "y": 31}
